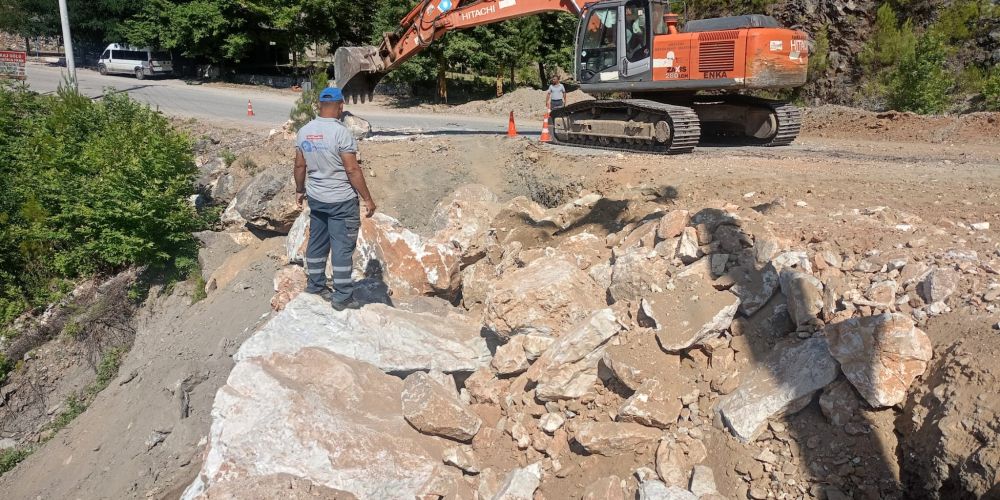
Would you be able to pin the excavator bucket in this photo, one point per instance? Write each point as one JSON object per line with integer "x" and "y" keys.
{"x": 358, "y": 71}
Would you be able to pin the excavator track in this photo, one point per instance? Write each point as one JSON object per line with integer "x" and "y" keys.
{"x": 784, "y": 120}
{"x": 636, "y": 125}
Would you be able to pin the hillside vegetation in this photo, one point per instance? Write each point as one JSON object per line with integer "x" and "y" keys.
{"x": 86, "y": 188}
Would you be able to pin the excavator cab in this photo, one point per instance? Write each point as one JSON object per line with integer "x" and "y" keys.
{"x": 615, "y": 42}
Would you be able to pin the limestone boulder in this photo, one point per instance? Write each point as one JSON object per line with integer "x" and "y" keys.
{"x": 394, "y": 340}
{"x": 672, "y": 224}
{"x": 550, "y": 292}
{"x": 614, "y": 438}
{"x": 433, "y": 409}
{"x": 359, "y": 127}
{"x": 804, "y": 294}
{"x": 792, "y": 372}
{"x": 638, "y": 272}
{"x": 689, "y": 313}
{"x": 520, "y": 483}
{"x": 320, "y": 417}
{"x": 510, "y": 358}
{"x": 839, "y": 403}
{"x": 675, "y": 459}
{"x": 654, "y": 403}
{"x": 463, "y": 219}
{"x": 268, "y": 203}
{"x": 408, "y": 264}
{"x": 570, "y": 380}
{"x": 880, "y": 355}
{"x": 577, "y": 343}
{"x": 938, "y": 285}
{"x": 753, "y": 286}
{"x": 640, "y": 359}
{"x": 585, "y": 250}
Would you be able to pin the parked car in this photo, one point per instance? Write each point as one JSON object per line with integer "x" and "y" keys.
{"x": 141, "y": 62}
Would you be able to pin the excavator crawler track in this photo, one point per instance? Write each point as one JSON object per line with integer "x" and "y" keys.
{"x": 787, "y": 120}
{"x": 637, "y": 119}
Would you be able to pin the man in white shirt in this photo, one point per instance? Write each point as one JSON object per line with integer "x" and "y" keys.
{"x": 555, "y": 97}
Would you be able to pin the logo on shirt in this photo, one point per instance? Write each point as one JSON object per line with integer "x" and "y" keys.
{"x": 306, "y": 147}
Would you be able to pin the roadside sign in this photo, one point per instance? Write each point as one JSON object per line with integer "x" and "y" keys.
{"x": 12, "y": 64}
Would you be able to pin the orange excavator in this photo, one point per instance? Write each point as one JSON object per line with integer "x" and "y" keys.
{"x": 668, "y": 85}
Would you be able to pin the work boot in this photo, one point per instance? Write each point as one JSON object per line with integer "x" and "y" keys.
{"x": 326, "y": 293}
{"x": 350, "y": 303}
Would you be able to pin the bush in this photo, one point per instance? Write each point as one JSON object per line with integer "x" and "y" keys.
{"x": 890, "y": 42}
{"x": 305, "y": 108}
{"x": 86, "y": 188}
{"x": 921, "y": 82}
{"x": 820, "y": 53}
{"x": 991, "y": 89}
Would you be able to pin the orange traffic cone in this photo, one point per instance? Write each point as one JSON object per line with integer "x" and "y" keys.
{"x": 546, "y": 137}
{"x": 511, "y": 127}
{"x": 250, "y": 108}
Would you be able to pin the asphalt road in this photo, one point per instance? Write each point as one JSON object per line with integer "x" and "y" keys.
{"x": 271, "y": 107}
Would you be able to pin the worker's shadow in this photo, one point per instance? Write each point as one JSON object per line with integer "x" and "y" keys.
{"x": 372, "y": 289}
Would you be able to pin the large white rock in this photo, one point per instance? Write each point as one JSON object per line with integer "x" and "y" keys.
{"x": 692, "y": 311}
{"x": 394, "y": 340}
{"x": 881, "y": 355}
{"x": 409, "y": 264}
{"x": 577, "y": 343}
{"x": 550, "y": 292}
{"x": 322, "y": 417}
{"x": 463, "y": 219}
{"x": 792, "y": 372}
{"x": 521, "y": 483}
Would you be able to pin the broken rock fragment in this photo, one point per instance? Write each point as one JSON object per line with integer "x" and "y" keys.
{"x": 432, "y": 409}
{"x": 654, "y": 404}
{"x": 753, "y": 286}
{"x": 612, "y": 438}
{"x": 520, "y": 484}
{"x": 580, "y": 341}
{"x": 804, "y": 294}
{"x": 605, "y": 488}
{"x": 793, "y": 371}
{"x": 657, "y": 490}
{"x": 688, "y": 314}
{"x": 881, "y": 355}
{"x": 408, "y": 264}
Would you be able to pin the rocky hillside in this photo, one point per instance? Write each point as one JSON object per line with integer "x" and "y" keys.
{"x": 613, "y": 348}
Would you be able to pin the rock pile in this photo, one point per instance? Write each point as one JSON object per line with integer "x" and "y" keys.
{"x": 536, "y": 353}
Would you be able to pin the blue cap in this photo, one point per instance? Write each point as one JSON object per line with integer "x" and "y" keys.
{"x": 331, "y": 94}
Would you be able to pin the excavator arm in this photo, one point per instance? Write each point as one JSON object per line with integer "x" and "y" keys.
{"x": 359, "y": 69}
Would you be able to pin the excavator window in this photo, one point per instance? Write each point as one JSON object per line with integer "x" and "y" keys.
{"x": 599, "y": 50}
{"x": 636, "y": 31}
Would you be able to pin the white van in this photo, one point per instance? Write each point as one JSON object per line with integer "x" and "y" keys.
{"x": 143, "y": 62}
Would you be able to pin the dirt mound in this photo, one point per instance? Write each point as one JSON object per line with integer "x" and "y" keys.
{"x": 840, "y": 122}
{"x": 523, "y": 102}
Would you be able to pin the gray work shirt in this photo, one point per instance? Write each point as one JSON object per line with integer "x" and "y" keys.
{"x": 557, "y": 92}
{"x": 321, "y": 142}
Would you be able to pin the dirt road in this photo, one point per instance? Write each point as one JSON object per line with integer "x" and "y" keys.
{"x": 841, "y": 183}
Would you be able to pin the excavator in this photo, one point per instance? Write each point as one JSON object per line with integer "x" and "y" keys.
{"x": 660, "y": 87}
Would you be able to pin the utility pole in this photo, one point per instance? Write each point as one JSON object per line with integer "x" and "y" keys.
{"x": 68, "y": 43}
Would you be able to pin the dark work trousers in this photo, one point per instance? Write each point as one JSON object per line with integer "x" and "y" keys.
{"x": 556, "y": 103}
{"x": 336, "y": 225}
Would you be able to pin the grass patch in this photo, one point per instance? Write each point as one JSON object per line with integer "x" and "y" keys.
{"x": 229, "y": 157}
{"x": 11, "y": 457}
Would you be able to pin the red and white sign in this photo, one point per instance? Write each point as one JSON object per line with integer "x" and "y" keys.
{"x": 12, "y": 64}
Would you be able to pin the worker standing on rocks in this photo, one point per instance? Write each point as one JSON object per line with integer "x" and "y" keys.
{"x": 555, "y": 97}
{"x": 328, "y": 174}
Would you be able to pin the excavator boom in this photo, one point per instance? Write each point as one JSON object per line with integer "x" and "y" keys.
{"x": 359, "y": 69}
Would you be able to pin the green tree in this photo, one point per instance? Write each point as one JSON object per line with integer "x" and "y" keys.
{"x": 890, "y": 42}
{"x": 819, "y": 57}
{"x": 921, "y": 82}
{"x": 215, "y": 30}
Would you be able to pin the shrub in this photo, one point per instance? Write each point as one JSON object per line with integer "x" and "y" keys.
{"x": 11, "y": 457}
{"x": 921, "y": 82}
{"x": 86, "y": 188}
{"x": 991, "y": 89}
{"x": 890, "y": 42}
{"x": 820, "y": 54}
{"x": 305, "y": 108}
